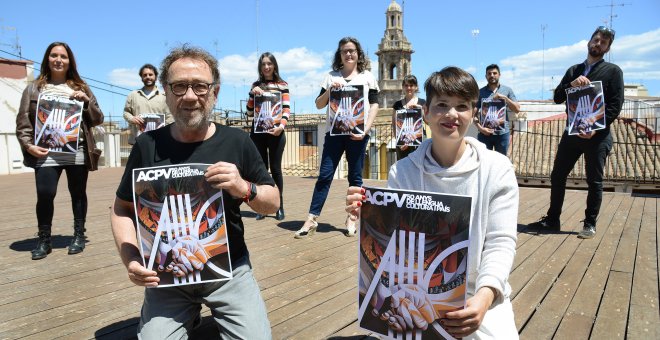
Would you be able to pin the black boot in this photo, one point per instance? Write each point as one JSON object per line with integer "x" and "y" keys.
{"x": 43, "y": 245}
{"x": 279, "y": 215}
{"x": 78, "y": 243}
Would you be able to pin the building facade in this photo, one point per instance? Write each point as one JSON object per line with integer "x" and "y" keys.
{"x": 394, "y": 57}
{"x": 15, "y": 75}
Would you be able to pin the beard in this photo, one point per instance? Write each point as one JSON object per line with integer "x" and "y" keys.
{"x": 596, "y": 53}
{"x": 198, "y": 119}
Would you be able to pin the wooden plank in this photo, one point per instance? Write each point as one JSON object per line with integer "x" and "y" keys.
{"x": 65, "y": 294}
{"x": 644, "y": 310}
{"x": 551, "y": 306}
{"x": 330, "y": 324}
{"x": 571, "y": 264}
{"x": 315, "y": 315}
{"x": 353, "y": 331}
{"x": 532, "y": 262}
{"x": 613, "y": 312}
{"x": 311, "y": 296}
{"x": 589, "y": 293}
{"x": 624, "y": 259}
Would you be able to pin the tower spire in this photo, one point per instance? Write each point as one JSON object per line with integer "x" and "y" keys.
{"x": 394, "y": 56}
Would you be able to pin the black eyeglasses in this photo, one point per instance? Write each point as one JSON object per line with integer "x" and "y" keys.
{"x": 200, "y": 89}
{"x": 607, "y": 30}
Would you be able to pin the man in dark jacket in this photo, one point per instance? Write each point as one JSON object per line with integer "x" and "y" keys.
{"x": 596, "y": 144}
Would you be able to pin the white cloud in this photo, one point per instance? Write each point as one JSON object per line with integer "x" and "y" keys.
{"x": 127, "y": 77}
{"x": 301, "y": 68}
{"x": 635, "y": 54}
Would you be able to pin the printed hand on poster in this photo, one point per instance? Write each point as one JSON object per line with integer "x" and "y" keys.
{"x": 187, "y": 254}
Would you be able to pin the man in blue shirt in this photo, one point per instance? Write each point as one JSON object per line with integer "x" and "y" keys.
{"x": 496, "y": 137}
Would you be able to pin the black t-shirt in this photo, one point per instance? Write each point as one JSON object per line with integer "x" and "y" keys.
{"x": 157, "y": 148}
{"x": 398, "y": 105}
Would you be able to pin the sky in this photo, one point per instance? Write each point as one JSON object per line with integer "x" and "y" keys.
{"x": 533, "y": 42}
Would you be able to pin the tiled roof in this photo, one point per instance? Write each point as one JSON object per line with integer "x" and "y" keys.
{"x": 634, "y": 157}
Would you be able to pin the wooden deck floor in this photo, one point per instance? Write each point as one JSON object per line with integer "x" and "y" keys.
{"x": 563, "y": 287}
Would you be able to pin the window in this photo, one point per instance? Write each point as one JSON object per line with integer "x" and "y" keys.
{"x": 308, "y": 138}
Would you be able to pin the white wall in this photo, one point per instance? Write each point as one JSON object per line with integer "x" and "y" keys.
{"x": 11, "y": 159}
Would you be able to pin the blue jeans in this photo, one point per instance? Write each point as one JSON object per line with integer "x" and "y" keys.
{"x": 236, "y": 305}
{"x": 499, "y": 143}
{"x": 333, "y": 148}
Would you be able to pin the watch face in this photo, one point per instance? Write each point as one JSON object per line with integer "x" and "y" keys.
{"x": 253, "y": 191}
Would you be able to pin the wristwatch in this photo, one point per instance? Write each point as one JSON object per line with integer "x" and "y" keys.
{"x": 252, "y": 192}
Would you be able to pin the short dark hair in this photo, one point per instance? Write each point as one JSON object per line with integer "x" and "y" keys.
{"x": 187, "y": 51}
{"x": 452, "y": 81}
{"x": 493, "y": 66}
{"x": 605, "y": 32}
{"x": 149, "y": 66}
{"x": 409, "y": 79}
{"x": 361, "y": 62}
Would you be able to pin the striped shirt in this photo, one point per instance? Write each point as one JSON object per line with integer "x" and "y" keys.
{"x": 272, "y": 86}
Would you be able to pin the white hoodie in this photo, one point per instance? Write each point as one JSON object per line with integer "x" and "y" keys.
{"x": 489, "y": 178}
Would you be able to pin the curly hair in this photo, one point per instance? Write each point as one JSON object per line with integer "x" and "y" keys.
{"x": 362, "y": 60}
{"x": 187, "y": 51}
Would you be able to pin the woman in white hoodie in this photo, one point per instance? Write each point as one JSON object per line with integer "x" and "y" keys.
{"x": 451, "y": 163}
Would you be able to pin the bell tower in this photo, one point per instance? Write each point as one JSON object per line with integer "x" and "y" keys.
{"x": 393, "y": 53}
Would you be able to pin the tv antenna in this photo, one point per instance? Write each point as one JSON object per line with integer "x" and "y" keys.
{"x": 15, "y": 46}
{"x": 543, "y": 28}
{"x": 610, "y": 23}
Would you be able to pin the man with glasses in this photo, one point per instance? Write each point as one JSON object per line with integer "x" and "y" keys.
{"x": 191, "y": 80}
{"x": 148, "y": 99}
{"x": 595, "y": 145}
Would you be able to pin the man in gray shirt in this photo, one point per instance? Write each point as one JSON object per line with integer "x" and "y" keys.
{"x": 148, "y": 99}
{"x": 496, "y": 137}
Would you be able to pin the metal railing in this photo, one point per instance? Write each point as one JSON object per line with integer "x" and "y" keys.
{"x": 635, "y": 156}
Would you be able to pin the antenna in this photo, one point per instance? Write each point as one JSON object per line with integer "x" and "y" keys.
{"x": 543, "y": 27}
{"x": 256, "y": 13}
{"x": 217, "y": 49}
{"x": 610, "y": 22}
{"x": 15, "y": 46}
{"x": 475, "y": 34}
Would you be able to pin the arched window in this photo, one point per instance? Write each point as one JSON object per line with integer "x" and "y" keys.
{"x": 392, "y": 72}
{"x": 392, "y": 21}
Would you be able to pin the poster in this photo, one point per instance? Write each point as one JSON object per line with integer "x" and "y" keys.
{"x": 267, "y": 111}
{"x": 346, "y": 110}
{"x": 413, "y": 257}
{"x": 57, "y": 123}
{"x": 586, "y": 108}
{"x": 181, "y": 225}
{"x": 152, "y": 121}
{"x": 409, "y": 127}
{"x": 492, "y": 113}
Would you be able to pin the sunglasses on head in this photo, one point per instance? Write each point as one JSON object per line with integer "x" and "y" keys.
{"x": 607, "y": 30}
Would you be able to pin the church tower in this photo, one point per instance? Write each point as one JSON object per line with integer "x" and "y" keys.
{"x": 393, "y": 53}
